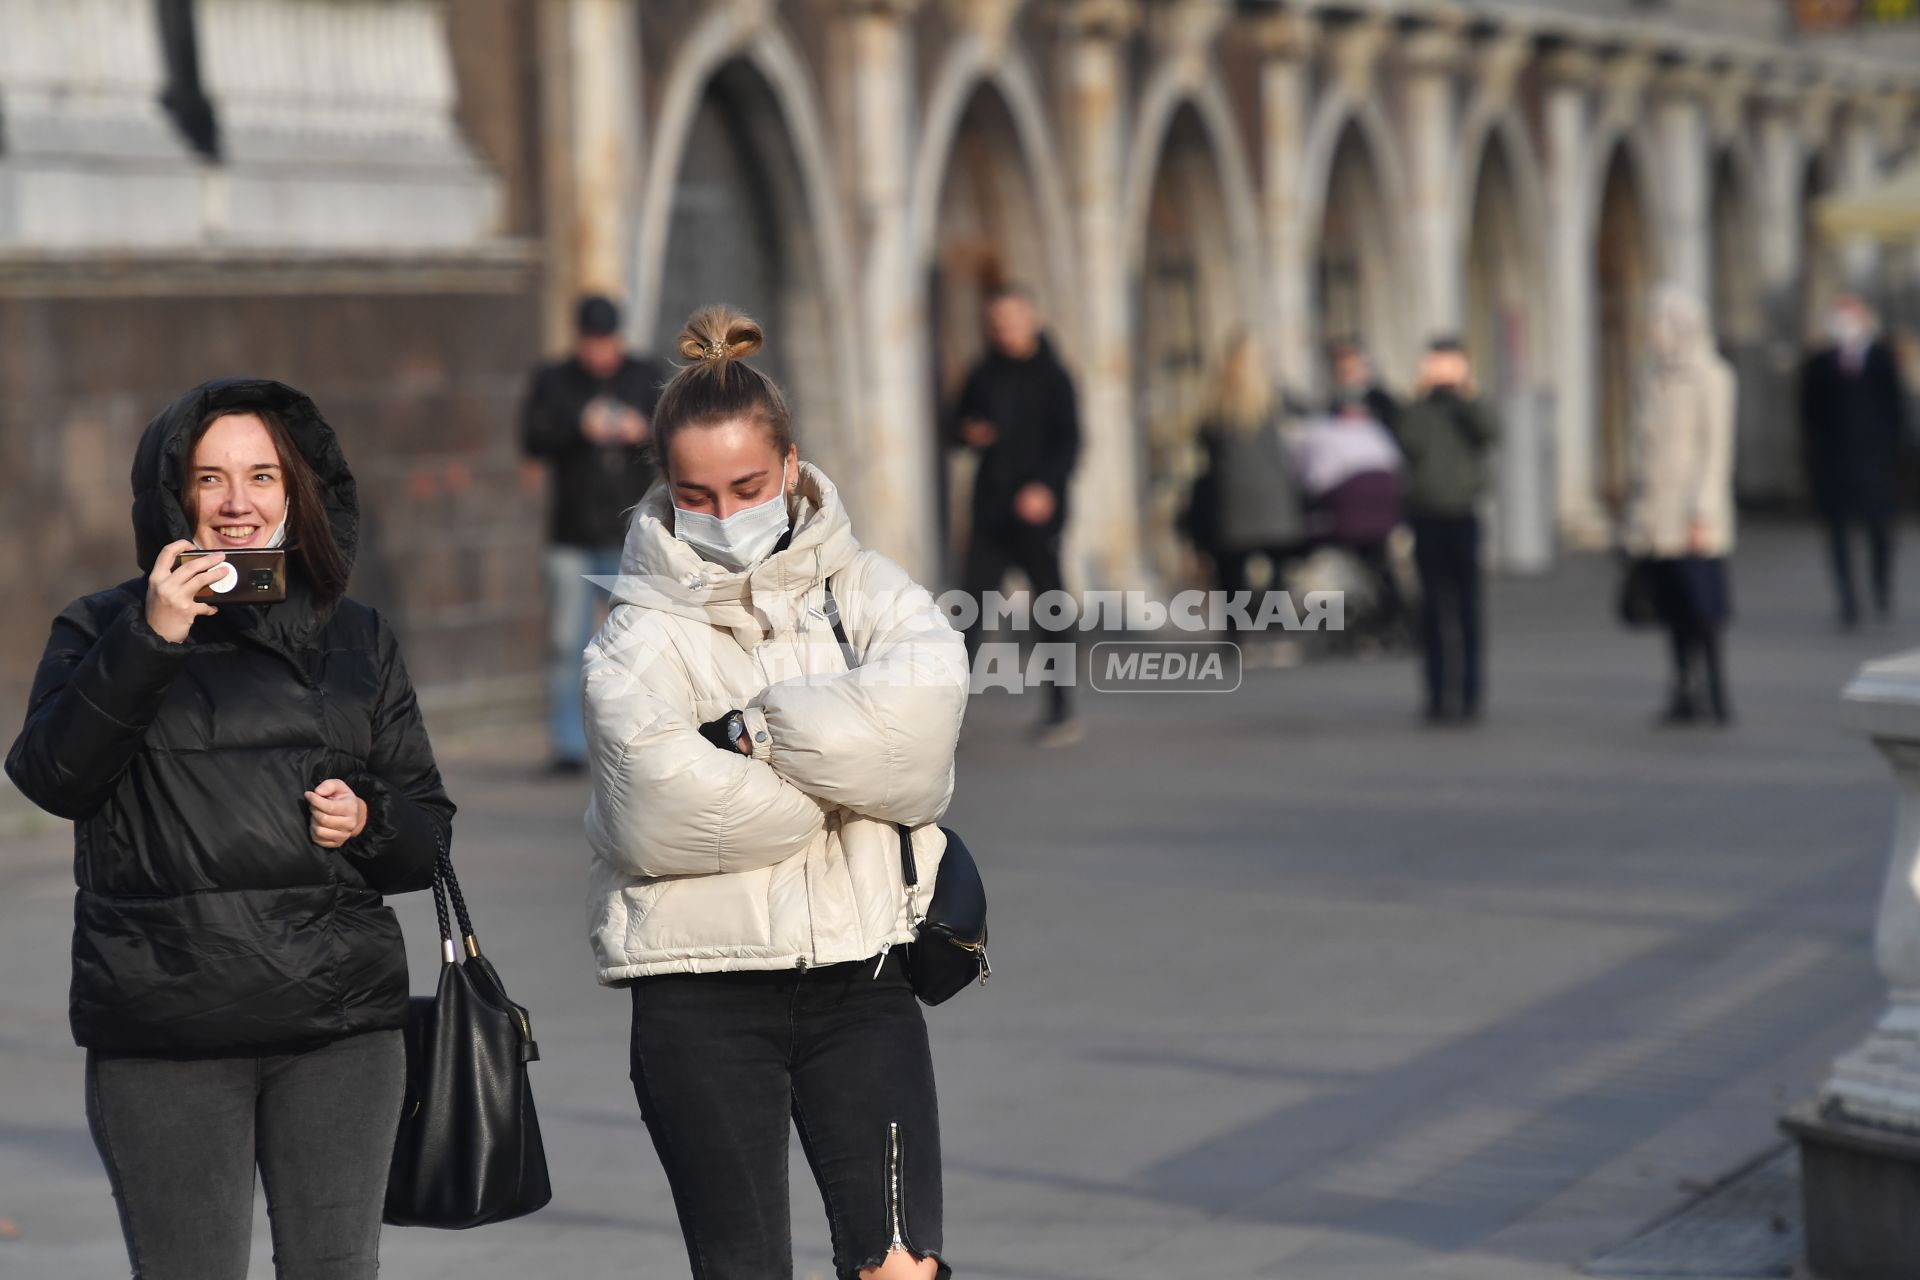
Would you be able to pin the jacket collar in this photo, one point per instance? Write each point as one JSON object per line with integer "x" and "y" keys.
{"x": 659, "y": 571}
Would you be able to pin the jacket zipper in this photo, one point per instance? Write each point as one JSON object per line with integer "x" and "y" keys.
{"x": 894, "y": 1215}
{"x": 910, "y": 873}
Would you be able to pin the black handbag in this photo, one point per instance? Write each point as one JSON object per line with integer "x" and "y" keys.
{"x": 950, "y": 950}
{"x": 1639, "y": 603}
{"x": 469, "y": 1150}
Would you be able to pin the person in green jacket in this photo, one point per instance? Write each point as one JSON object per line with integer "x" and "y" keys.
{"x": 1446, "y": 434}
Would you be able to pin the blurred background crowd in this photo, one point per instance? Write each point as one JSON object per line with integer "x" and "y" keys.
{"x": 397, "y": 205}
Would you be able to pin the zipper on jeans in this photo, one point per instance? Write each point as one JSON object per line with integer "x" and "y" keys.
{"x": 894, "y": 1216}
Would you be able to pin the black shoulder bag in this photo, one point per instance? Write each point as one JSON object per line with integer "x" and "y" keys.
{"x": 469, "y": 1150}
{"x": 950, "y": 951}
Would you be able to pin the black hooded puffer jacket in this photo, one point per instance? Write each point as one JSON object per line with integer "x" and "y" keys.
{"x": 207, "y": 919}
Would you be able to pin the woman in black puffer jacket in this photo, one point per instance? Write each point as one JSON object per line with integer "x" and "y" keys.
{"x": 245, "y": 783}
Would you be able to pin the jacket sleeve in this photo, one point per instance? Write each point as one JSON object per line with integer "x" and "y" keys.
{"x": 95, "y": 694}
{"x": 1063, "y": 441}
{"x": 970, "y": 404}
{"x": 1811, "y": 455}
{"x": 1894, "y": 389}
{"x": 878, "y": 739}
{"x": 666, "y": 802}
{"x": 1717, "y": 399}
{"x": 550, "y": 419}
{"x": 409, "y": 817}
{"x": 1482, "y": 423}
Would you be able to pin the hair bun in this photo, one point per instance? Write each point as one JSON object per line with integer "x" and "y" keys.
{"x": 720, "y": 333}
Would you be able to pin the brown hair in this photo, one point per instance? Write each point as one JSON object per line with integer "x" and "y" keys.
{"x": 718, "y": 385}
{"x": 310, "y": 539}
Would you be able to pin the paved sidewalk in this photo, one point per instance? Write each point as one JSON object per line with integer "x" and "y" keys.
{"x": 1287, "y": 985}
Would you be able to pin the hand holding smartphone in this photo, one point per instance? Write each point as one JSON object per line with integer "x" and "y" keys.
{"x": 254, "y": 576}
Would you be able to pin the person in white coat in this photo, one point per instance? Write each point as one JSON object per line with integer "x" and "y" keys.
{"x": 1681, "y": 515}
{"x": 750, "y": 882}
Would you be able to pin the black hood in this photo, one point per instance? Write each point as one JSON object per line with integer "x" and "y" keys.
{"x": 1041, "y": 357}
{"x": 160, "y": 463}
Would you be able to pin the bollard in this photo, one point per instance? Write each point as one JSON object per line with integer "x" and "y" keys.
{"x": 1859, "y": 1138}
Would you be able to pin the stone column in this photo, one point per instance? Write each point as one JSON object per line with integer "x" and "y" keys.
{"x": 1104, "y": 537}
{"x": 1521, "y": 529}
{"x": 590, "y": 130}
{"x": 1860, "y": 1139}
{"x": 1570, "y": 219}
{"x": 1682, "y": 190}
{"x": 605, "y": 86}
{"x": 1780, "y": 172}
{"x": 1286, "y": 43}
{"x": 1859, "y": 169}
{"x": 1430, "y": 60}
{"x": 896, "y": 440}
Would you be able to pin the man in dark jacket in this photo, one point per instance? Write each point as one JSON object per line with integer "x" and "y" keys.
{"x": 1446, "y": 434}
{"x": 1853, "y": 420}
{"x": 1354, "y": 380}
{"x": 1018, "y": 413}
{"x": 586, "y": 416}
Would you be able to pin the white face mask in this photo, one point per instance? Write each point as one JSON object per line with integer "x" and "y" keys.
{"x": 740, "y": 541}
{"x": 1847, "y": 329}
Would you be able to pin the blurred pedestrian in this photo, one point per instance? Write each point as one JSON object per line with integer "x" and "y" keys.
{"x": 749, "y": 883}
{"x": 1853, "y": 420}
{"x": 1350, "y": 474}
{"x": 1247, "y": 497}
{"x": 245, "y": 782}
{"x": 1681, "y": 513}
{"x": 1354, "y": 379}
{"x": 1446, "y": 435}
{"x": 587, "y": 417}
{"x": 1017, "y": 411}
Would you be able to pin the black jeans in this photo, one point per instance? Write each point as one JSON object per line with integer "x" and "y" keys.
{"x": 1840, "y": 528}
{"x": 1035, "y": 551}
{"x": 721, "y": 1060}
{"x": 180, "y": 1138}
{"x": 1446, "y": 550}
{"x": 1230, "y": 574}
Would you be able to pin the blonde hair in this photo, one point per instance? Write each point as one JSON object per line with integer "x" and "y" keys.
{"x": 717, "y": 385}
{"x": 1242, "y": 393}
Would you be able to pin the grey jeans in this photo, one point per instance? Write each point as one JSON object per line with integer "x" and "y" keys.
{"x": 180, "y": 1138}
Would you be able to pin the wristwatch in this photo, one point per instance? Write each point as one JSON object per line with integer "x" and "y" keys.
{"x": 736, "y": 729}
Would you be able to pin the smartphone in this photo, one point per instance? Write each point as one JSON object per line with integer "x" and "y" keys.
{"x": 254, "y": 576}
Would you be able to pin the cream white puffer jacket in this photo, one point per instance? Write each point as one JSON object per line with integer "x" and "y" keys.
{"x": 706, "y": 860}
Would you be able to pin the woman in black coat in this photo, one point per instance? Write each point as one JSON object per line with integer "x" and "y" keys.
{"x": 245, "y": 783}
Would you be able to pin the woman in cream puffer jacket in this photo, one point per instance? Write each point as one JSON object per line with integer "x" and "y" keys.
{"x": 707, "y": 861}
{"x": 749, "y": 883}
{"x": 1681, "y": 517}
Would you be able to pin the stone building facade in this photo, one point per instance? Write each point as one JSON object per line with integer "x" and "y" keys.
{"x": 400, "y": 198}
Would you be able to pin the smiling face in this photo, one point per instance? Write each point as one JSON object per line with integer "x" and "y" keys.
{"x": 728, "y": 467}
{"x": 236, "y": 488}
